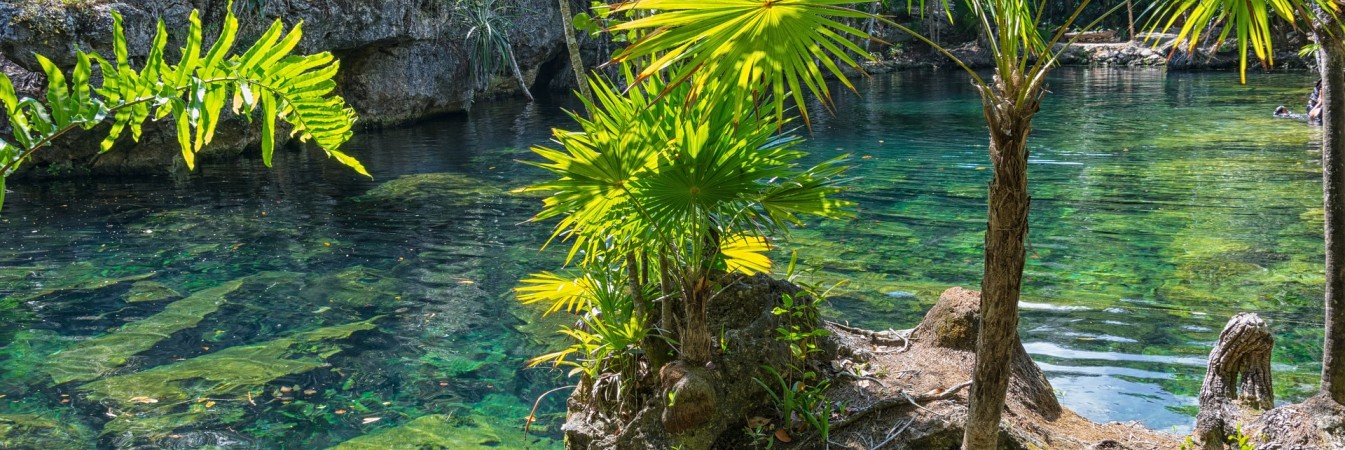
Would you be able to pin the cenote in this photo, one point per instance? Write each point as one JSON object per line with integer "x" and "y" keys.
{"x": 307, "y": 307}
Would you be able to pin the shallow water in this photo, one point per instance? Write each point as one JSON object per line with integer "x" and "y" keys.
{"x": 1162, "y": 204}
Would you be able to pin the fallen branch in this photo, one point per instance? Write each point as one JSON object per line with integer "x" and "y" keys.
{"x": 862, "y": 378}
{"x": 893, "y": 432}
{"x": 889, "y": 338}
{"x": 532, "y": 416}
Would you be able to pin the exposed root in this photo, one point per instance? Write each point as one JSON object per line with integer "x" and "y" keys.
{"x": 902, "y": 400}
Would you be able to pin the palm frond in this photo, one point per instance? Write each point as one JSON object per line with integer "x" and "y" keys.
{"x": 1247, "y": 21}
{"x": 754, "y": 48}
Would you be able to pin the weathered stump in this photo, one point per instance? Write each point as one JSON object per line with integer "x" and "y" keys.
{"x": 1238, "y": 377}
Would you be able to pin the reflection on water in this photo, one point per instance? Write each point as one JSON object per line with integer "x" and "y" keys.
{"x": 303, "y": 307}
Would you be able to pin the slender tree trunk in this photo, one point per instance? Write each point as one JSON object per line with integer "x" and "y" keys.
{"x": 1130, "y": 18}
{"x": 518, "y": 75}
{"x": 1331, "y": 63}
{"x": 576, "y": 62}
{"x": 1006, "y": 231}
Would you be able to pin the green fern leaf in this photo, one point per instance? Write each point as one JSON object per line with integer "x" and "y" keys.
{"x": 268, "y": 127}
{"x": 58, "y": 92}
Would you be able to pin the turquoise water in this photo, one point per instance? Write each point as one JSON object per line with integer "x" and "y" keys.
{"x": 303, "y": 306}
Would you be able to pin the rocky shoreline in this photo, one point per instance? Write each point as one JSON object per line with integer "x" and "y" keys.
{"x": 400, "y": 62}
{"x": 890, "y": 389}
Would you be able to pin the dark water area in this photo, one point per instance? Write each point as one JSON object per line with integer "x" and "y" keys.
{"x": 307, "y": 307}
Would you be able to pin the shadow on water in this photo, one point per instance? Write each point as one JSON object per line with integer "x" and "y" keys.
{"x": 306, "y": 307}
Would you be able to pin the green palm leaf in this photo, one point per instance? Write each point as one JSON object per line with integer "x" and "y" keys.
{"x": 1246, "y": 20}
{"x": 747, "y": 47}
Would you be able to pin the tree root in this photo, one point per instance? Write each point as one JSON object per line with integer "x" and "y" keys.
{"x": 902, "y": 399}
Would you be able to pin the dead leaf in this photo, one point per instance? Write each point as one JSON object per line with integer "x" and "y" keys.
{"x": 369, "y": 420}
{"x": 783, "y": 435}
{"x": 757, "y": 422}
{"x": 144, "y": 399}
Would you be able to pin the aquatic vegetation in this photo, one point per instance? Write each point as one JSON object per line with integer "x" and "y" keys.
{"x": 92, "y": 358}
{"x": 445, "y": 431}
{"x": 355, "y": 287}
{"x": 163, "y": 398}
{"x": 34, "y": 431}
{"x": 75, "y": 277}
{"x": 150, "y": 291}
{"x": 444, "y": 190}
{"x": 23, "y": 359}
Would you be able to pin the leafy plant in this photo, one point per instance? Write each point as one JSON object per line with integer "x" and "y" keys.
{"x": 610, "y": 336}
{"x": 193, "y": 92}
{"x": 802, "y": 399}
{"x": 798, "y": 325}
{"x": 673, "y": 192}
{"x": 489, "y": 51}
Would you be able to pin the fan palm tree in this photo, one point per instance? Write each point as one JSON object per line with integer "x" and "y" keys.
{"x": 651, "y": 177}
{"x": 708, "y": 42}
{"x": 1250, "y": 20}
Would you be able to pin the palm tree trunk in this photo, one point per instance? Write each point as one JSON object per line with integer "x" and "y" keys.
{"x": 572, "y": 44}
{"x": 1331, "y": 63}
{"x": 1006, "y": 231}
{"x": 696, "y": 336}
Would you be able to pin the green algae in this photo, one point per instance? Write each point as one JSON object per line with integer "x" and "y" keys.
{"x": 75, "y": 278}
{"x": 22, "y": 360}
{"x": 30, "y": 431}
{"x": 355, "y": 287}
{"x": 98, "y": 356}
{"x": 150, "y": 291}
{"x": 230, "y": 372}
{"x": 441, "y": 431}
{"x": 213, "y": 388}
{"x": 441, "y": 189}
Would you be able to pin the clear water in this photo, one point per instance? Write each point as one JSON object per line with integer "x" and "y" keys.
{"x": 1162, "y": 204}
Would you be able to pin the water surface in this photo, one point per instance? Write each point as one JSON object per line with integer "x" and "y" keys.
{"x": 1162, "y": 204}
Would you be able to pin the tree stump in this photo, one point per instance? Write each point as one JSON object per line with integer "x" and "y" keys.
{"x": 1238, "y": 377}
{"x": 954, "y": 323}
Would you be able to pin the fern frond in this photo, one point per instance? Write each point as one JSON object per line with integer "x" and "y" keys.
{"x": 296, "y": 89}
